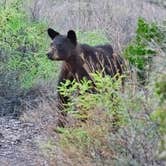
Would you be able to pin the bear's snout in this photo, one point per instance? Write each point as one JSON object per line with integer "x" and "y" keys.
{"x": 53, "y": 56}
{"x": 49, "y": 54}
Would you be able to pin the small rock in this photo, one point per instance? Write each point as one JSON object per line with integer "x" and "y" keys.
{"x": 1, "y": 136}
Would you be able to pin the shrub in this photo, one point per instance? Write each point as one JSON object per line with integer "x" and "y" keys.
{"x": 24, "y": 44}
{"x": 160, "y": 88}
{"x": 106, "y": 94}
{"x": 141, "y": 50}
{"x": 159, "y": 115}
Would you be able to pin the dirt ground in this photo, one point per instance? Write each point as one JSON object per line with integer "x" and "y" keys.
{"x": 29, "y": 139}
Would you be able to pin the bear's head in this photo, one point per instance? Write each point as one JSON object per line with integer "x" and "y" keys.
{"x": 62, "y": 46}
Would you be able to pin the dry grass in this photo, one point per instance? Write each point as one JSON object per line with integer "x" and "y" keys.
{"x": 117, "y": 18}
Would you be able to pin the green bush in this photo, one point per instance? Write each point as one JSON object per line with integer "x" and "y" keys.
{"x": 24, "y": 43}
{"x": 141, "y": 51}
{"x": 160, "y": 88}
{"x": 159, "y": 115}
{"x": 106, "y": 95}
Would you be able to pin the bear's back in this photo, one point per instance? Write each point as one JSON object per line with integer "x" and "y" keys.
{"x": 106, "y": 50}
{"x": 101, "y": 58}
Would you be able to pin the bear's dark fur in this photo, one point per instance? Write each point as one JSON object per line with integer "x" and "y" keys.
{"x": 79, "y": 60}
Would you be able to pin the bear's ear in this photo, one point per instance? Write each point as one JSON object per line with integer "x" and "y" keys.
{"x": 52, "y": 33}
{"x": 72, "y": 36}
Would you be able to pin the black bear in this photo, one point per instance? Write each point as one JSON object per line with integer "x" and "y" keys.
{"x": 79, "y": 60}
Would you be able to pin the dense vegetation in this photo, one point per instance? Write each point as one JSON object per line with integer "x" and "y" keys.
{"x": 23, "y": 45}
{"x": 107, "y": 126}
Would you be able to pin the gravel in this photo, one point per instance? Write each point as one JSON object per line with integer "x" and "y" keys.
{"x": 18, "y": 145}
